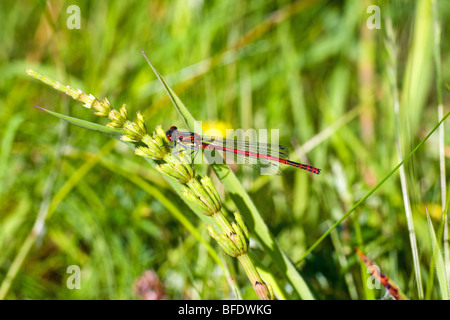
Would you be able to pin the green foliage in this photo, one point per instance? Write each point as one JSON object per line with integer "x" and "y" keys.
{"x": 438, "y": 260}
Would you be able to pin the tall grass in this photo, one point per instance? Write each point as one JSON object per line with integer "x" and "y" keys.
{"x": 309, "y": 68}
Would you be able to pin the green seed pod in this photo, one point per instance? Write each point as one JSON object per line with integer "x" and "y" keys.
{"x": 134, "y": 131}
{"x": 155, "y": 154}
{"x": 240, "y": 239}
{"x": 223, "y": 241}
{"x": 204, "y": 195}
{"x": 196, "y": 201}
{"x": 211, "y": 190}
{"x": 118, "y": 118}
{"x": 234, "y": 242}
{"x": 160, "y": 136}
{"x": 103, "y": 108}
{"x": 177, "y": 168}
{"x": 211, "y": 231}
{"x": 140, "y": 122}
{"x": 88, "y": 100}
{"x": 154, "y": 149}
{"x": 240, "y": 221}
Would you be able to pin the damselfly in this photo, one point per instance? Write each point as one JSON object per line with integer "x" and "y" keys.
{"x": 256, "y": 154}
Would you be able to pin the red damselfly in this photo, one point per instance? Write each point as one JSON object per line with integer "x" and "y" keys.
{"x": 256, "y": 154}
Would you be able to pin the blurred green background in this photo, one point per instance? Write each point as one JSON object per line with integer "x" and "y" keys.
{"x": 312, "y": 69}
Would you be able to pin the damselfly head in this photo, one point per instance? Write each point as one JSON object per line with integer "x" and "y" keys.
{"x": 172, "y": 133}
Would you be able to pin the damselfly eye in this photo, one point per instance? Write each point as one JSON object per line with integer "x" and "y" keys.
{"x": 170, "y": 134}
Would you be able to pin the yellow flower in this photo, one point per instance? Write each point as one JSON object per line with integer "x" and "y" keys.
{"x": 215, "y": 128}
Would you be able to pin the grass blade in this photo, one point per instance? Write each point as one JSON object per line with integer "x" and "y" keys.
{"x": 6, "y": 144}
{"x": 111, "y": 132}
{"x": 438, "y": 260}
{"x": 440, "y": 107}
{"x": 392, "y": 50}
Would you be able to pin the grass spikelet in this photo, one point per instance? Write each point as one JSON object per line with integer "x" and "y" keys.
{"x": 200, "y": 192}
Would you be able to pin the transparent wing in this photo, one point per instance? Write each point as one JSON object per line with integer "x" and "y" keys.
{"x": 265, "y": 166}
{"x": 274, "y": 150}
{"x": 215, "y": 144}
